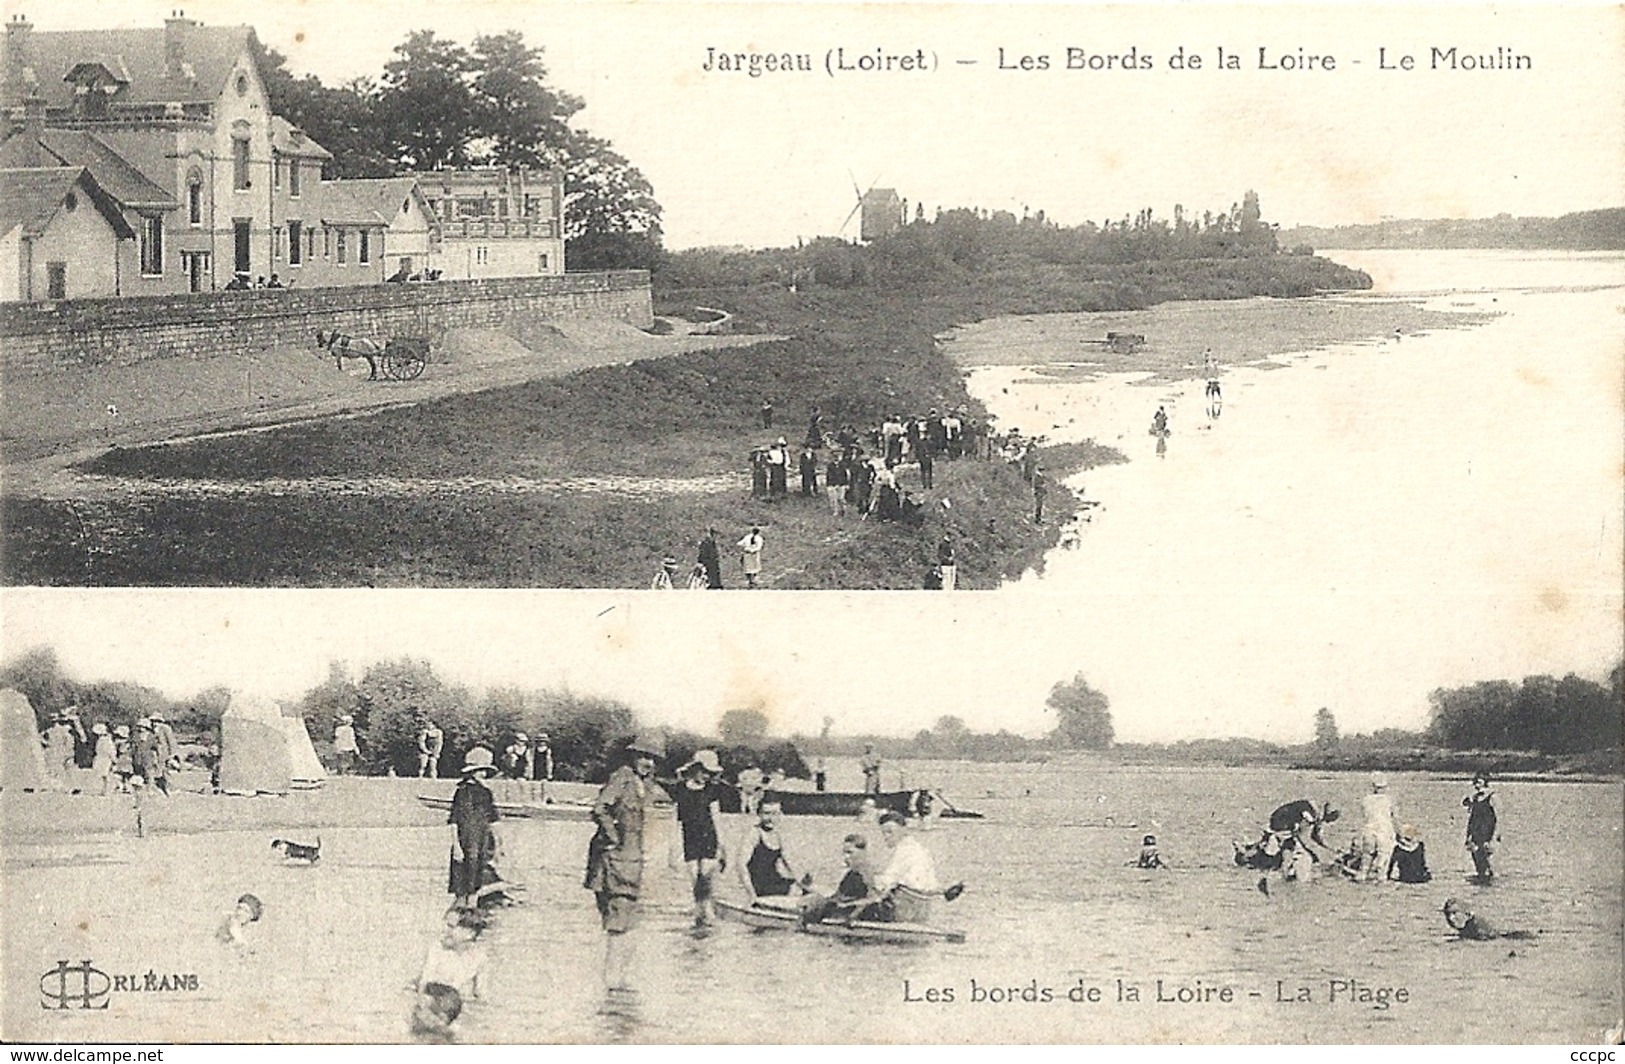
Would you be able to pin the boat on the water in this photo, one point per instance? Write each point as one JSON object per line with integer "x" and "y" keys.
{"x": 524, "y": 810}
{"x": 764, "y": 915}
{"x": 848, "y": 803}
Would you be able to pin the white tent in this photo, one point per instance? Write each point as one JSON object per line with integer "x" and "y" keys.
{"x": 22, "y": 761}
{"x": 254, "y": 748}
{"x": 304, "y": 768}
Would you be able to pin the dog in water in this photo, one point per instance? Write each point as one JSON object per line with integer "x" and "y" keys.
{"x": 299, "y": 852}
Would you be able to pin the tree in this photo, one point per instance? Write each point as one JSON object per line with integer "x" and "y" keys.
{"x": 1083, "y": 715}
{"x": 611, "y": 218}
{"x": 526, "y": 122}
{"x": 426, "y": 105}
{"x": 742, "y": 727}
{"x": 1325, "y": 729}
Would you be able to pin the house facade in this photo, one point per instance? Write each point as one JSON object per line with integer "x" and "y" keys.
{"x": 175, "y": 127}
{"x": 176, "y": 124}
{"x": 495, "y": 222}
{"x": 61, "y": 235}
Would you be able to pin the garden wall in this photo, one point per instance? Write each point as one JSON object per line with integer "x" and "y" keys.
{"x": 37, "y": 337}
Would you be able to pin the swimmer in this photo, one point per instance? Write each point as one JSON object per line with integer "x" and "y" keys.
{"x": 437, "y": 1008}
{"x": 451, "y": 972}
{"x": 1469, "y": 925}
{"x": 234, "y": 929}
{"x": 1149, "y": 857}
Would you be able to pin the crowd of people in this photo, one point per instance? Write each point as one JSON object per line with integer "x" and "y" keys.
{"x": 105, "y": 761}
{"x": 880, "y": 474}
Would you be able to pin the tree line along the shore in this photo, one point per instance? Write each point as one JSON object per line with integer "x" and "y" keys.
{"x": 1541, "y": 723}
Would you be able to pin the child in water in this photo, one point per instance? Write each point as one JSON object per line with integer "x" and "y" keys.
{"x": 1409, "y": 864}
{"x": 1149, "y": 857}
{"x": 451, "y": 971}
{"x": 234, "y": 930}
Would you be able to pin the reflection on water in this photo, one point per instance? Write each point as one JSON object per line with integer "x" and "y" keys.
{"x": 1369, "y": 520}
{"x": 1051, "y": 903}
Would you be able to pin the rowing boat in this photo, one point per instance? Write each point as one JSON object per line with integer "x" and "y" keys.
{"x": 524, "y": 810}
{"x": 849, "y": 803}
{"x": 764, "y": 915}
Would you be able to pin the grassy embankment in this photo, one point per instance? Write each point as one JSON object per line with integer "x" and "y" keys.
{"x": 855, "y": 353}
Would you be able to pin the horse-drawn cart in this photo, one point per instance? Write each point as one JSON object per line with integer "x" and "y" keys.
{"x": 400, "y": 358}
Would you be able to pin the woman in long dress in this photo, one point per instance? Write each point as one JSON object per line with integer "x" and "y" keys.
{"x": 473, "y": 811}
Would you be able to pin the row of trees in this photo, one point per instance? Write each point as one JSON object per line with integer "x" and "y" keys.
{"x": 960, "y": 244}
{"x": 1568, "y": 716}
{"x": 438, "y": 103}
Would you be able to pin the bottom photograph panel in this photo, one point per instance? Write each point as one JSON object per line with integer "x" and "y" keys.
{"x": 512, "y": 817}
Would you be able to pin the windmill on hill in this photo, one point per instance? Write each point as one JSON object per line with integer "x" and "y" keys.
{"x": 880, "y": 211}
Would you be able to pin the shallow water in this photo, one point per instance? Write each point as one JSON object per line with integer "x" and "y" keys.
{"x": 1049, "y": 902}
{"x": 1375, "y": 520}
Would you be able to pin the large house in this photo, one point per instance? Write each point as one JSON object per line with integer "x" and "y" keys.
{"x": 174, "y": 127}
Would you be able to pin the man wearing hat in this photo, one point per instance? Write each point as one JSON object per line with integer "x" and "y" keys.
{"x": 143, "y": 750}
{"x": 166, "y": 752}
{"x": 101, "y": 764}
{"x": 666, "y": 576}
{"x": 542, "y": 756}
{"x": 59, "y": 748}
{"x": 517, "y": 760}
{"x": 473, "y": 811}
{"x": 1381, "y": 828}
{"x": 346, "y": 751}
{"x": 615, "y": 855}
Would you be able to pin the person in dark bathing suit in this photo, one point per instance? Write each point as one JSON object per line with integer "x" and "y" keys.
{"x": 1468, "y": 925}
{"x": 1481, "y": 826}
{"x": 1409, "y": 864}
{"x": 767, "y": 871}
{"x": 698, "y": 796}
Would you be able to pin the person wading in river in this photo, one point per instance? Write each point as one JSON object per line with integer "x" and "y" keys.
{"x": 615, "y": 854}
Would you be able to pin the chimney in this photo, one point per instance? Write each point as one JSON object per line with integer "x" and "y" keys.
{"x": 177, "y": 28}
{"x": 19, "y": 51}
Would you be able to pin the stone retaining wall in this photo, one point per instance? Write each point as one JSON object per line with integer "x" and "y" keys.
{"x": 37, "y": 337}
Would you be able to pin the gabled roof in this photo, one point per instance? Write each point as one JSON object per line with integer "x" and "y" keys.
{"x": 289, "y": 139}
{"x": 384, "y": 195}
{"x": 30, "y": 198}
{"x": 136, "y": 56}
{"x": 339, "y": 207}
{"x": 72, "y": 147}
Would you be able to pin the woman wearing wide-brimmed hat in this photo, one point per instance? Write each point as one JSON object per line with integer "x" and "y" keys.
{"x": 101, "y": 765}
{"x": 699, "y": 798}
{"x": 615, "y": 855}
{"x": 473, "y": 811}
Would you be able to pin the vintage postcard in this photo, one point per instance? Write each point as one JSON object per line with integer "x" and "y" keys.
{"x": 1202, "y": 423}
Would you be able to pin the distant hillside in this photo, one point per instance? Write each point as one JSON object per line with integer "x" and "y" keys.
{"x": 1601, "y": 230}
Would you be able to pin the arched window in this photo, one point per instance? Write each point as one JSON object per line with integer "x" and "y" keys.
{"x": 194, "y": 198}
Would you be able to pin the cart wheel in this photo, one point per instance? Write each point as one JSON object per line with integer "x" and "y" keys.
{"x": 409, "y": 367}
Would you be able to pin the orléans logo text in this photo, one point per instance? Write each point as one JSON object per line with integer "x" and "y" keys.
{"x": 84, "y": 986}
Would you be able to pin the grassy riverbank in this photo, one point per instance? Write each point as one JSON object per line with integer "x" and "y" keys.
{"x": 466, "y": 516}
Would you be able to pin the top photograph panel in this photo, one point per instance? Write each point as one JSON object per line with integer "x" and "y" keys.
{"x": 800, "y": 297}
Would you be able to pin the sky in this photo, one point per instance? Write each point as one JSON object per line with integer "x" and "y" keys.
{"x": 880, "y": 662}
{"x": 762, "y": 161}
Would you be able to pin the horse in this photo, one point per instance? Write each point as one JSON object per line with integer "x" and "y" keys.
{"x": 342, "y": 346}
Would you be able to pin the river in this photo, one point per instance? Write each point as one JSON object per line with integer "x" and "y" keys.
{"x": 1051, "y": 904}
{"x": 1364, "y": 520}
